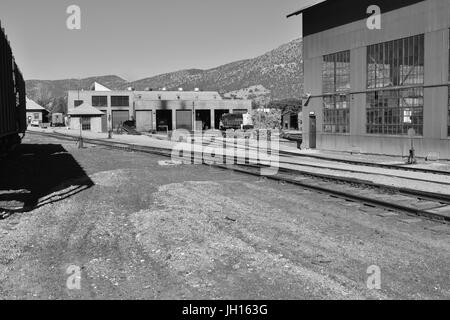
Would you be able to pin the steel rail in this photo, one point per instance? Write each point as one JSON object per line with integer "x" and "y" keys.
{"x": 252, "y": 170}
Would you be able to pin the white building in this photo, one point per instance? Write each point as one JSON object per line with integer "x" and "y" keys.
{"x": 87, "y": 116}
{"x": 35, "y": 112}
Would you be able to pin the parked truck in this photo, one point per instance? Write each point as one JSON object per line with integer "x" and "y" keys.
{"x": 236, "y": 121}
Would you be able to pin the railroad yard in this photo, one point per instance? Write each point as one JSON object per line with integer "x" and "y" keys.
{"x": 140, "y": 226}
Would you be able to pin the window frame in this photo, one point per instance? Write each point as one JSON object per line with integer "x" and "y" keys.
{"x": 118, "y": 101}
{"x": 85, "y": 123}
{"x": 387, "y": 110}
{"x": 396, "y": 75}
{"x": 100, "y": 104}
{"x": 336, "y": 84}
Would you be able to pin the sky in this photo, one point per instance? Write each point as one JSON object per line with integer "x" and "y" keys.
{"x": 135, "y": 39}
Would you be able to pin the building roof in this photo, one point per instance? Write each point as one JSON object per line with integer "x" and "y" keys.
{"x": 85, "y": 110}
{"x": 162, "y": 95}
{"x": 300, "y": 11}
{"x": 32, "y": 105}
{"x": 178, "y": 95}
{"x": 329, "y": 14}
{"x": 99, "y": 87}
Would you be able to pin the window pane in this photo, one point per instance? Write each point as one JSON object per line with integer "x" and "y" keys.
{"x": 391, "y": 64}
{"x": 396, "y": 63}
{"x": 120, "y": 101}
{"x": 99, "y": 101}
{"x": 395, "y": 111}
{"x": 335, "y": 79}
{"x": 336, "y": 116}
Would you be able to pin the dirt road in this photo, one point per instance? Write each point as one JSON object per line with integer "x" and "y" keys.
{"x": 138, "y": 228}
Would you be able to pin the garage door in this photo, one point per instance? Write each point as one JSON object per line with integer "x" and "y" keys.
{"x": 119, "y": 117}
{"x": 184, "y": 119}
{"x": 144, "y": 121}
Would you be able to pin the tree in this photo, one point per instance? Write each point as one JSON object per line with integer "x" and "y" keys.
{"x": 286, "y": 106}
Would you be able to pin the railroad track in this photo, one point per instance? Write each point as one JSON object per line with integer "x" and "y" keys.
{"x": 399, "y": 167}
{"x": 432, "y": 206}
{"x": 366, "y": 164}
{"x": 412, "y": 202}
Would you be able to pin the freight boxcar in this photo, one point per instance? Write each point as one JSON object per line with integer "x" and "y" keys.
{"x": 12, "y": 98}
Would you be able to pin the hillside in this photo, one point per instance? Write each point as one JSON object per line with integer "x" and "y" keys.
{"x": 45, "y": 89}
{"x": 275, "y": 75}
{"x": 279, "y": 71}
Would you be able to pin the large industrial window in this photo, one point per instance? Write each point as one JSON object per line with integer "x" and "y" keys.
{"x": 336, "y": 72}
{"x": 99, "y": 101}
{"x": 396, "y": 63}
{"x": 336, "y": 85}
{"x": 393, "y": 112}
{"x": 120, "y": 101}
{"x": 336, "y": 114}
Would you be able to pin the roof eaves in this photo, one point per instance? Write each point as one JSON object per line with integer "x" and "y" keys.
{"x": 296, "y": 13}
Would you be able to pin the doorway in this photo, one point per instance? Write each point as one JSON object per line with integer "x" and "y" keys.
{"x": 218, "y": 115}
{"x": 164, "y": 120}
{"x": 202, "y": 120}
{"x": 312, "y": 131}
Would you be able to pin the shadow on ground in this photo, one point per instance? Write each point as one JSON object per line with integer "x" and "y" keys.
{"x": 34, "y": 175}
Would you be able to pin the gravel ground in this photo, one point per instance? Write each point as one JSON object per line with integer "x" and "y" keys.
{"x": 138, "y": 227}
{"x": 389, "y": 177}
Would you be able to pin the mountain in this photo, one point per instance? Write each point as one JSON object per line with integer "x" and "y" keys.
{"x": 46, "y": 89}
{"x": 276, "y": 75}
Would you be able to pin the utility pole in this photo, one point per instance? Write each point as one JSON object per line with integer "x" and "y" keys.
{"x": 194, "y": 117}
{"x": 80, "y": 142}
{"x": 109, "y": 126}
{"x": 412, "y": 153}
